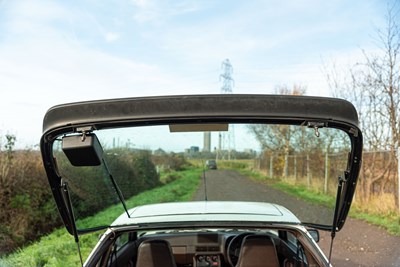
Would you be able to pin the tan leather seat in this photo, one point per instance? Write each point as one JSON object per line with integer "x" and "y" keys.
{"x": 155, "y": 253}
{"x": 258, "y": 251}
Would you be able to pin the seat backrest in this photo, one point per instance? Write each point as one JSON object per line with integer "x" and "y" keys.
{"x": 258, "y": 251}
{"x": 155, "y": 253}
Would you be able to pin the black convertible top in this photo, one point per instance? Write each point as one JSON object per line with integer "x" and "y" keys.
{"x": 146, "y": 109}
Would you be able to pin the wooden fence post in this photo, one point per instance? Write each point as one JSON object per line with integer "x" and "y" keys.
{"x": 271, "y": 166}
{"x": 398, "y": 178}
{"x": 308, "y": 171}
{"x": 326, "y": 171}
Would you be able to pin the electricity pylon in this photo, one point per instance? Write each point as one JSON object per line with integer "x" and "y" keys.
{"x": 227, "y": 82}
{"x": 226, "y": 140}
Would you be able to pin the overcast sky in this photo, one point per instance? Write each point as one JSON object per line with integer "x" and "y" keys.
{"x": 53, "y": 52}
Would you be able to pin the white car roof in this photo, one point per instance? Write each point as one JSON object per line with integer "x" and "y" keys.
{"x": 203, "y": 211}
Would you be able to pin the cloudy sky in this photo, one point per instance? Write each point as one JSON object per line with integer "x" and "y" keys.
{"x": 53, "y": 52}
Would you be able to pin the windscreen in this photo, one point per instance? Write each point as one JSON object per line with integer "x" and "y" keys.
{"x": 293, "y": 166}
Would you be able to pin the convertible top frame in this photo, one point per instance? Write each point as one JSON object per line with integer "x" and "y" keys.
{"x": 87, "y": 116}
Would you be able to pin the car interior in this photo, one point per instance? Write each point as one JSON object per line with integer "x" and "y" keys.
{"x": 233, "y": 247}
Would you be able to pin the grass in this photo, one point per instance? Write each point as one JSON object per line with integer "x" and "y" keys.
{"x": 388, "y": 220}
{"x": 380, "y": 210}
{"x": 256, "y": 175}
{"x": 59, "y": 249}
{"x": 302, "y": 192}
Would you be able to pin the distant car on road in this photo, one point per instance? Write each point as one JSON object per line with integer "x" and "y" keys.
{"x": 211, "y": 164}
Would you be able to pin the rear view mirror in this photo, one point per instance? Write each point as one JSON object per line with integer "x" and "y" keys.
{"x": 83, "y": 150}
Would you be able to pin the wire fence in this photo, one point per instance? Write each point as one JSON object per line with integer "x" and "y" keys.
{"x": 319, "y": 171}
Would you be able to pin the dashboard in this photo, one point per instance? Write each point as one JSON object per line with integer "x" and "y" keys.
{"x": 196, "y": 248}
{"x": 214, "y": 248}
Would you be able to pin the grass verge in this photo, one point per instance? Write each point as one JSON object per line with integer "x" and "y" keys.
{"x": 387, "y": 221}
{"x": 58, "y": 249}
{"x": 390, "y": 221}
{"x": 302, "y": 192}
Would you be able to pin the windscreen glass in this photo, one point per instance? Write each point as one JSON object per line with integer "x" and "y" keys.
{"x": 213, "y": 162}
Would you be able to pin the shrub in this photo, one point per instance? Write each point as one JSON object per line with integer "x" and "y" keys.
{"x": 28, "y": 210}
{"x": 26, "y": 203}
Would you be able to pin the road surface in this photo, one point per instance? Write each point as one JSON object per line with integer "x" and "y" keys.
{"x": 357, "y": 244}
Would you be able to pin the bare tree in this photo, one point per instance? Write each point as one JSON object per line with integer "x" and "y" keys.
{"x": 278, "y": 138}
{"x": 374, "y": 87}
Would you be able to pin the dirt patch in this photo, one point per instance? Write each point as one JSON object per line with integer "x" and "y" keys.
{"x": 357, "y": 244}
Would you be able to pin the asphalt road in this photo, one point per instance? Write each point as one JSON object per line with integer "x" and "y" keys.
{"x": 357, "y": 244}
